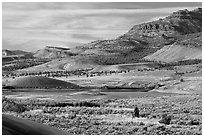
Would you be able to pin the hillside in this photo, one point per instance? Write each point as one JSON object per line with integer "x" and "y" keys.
{"x": 173, "y": 53}
{"x": 188, "y": 47}
{"x": 144, "y": 39}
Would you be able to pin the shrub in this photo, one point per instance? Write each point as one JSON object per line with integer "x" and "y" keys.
{"x": 165, "y": 119}
{"x": 193, "y": 122}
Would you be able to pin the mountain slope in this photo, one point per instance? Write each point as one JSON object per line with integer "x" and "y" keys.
{"x": 145, "y": 39}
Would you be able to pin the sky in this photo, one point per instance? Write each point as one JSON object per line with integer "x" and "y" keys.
{"x": 33, "y": 25}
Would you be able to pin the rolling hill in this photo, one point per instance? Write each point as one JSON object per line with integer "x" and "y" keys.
{"x": 53, "y": 52}
{"x": 41, "y": 82}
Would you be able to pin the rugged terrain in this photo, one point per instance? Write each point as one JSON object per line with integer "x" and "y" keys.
{"x": 93, "y": 88}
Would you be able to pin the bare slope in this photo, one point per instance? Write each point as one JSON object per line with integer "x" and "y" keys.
{"x": 41, "y": 82}
{"x": 173, "y": 53}
{"x": 187, "y": 47}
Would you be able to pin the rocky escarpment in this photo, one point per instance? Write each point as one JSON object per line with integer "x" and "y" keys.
{"x": 166, "y": 31}
{"x": 182, "y": 22}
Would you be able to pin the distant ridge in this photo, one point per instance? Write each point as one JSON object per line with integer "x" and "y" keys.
{"x": 6, "y": 52}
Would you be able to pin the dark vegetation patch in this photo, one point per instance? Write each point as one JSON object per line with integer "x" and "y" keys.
{"x": 74, "y": 104}
{"x": 131, "y": 56}
{"x": 165, "y": 119}
{"x": 171, "y": 65}
{"x": 22, "y": 63}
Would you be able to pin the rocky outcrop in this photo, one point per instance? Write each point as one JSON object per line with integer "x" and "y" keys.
{"x": 182, "y": 22}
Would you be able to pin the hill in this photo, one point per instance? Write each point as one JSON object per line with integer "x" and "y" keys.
{"x": 41, "y": 82}
{"x": 12, "y": 55}
{"x": 53, "y": 52}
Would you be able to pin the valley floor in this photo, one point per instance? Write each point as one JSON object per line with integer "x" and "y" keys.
{"x": 114, "y": 115}
{"x": 173, "y": 106}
